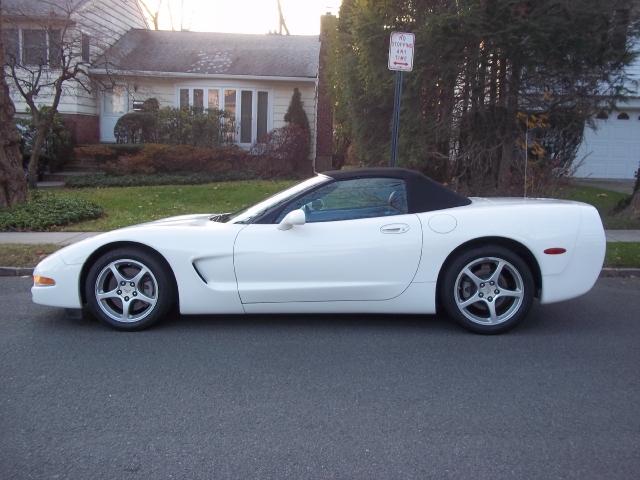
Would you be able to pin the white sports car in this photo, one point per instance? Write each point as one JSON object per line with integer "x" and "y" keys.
{"x": 376, "y": 240}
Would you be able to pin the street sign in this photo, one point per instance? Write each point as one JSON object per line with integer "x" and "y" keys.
{"x": 400, "y": 60}
{"x": 401, "y": 51}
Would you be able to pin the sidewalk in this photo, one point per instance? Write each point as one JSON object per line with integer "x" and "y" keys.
{"x": 67, "y": 238}
{"x": 58, "y": 238}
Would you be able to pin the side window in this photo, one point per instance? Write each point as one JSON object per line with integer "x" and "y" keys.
{"x": 352, "y": 199}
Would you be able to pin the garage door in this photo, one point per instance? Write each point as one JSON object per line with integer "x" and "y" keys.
{"x": 613, "y": 149}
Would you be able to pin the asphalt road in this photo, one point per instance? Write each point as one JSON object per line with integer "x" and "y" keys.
{"x": 304, "y": 397}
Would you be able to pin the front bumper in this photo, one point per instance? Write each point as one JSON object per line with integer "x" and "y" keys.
{"x": 66, "y": 292}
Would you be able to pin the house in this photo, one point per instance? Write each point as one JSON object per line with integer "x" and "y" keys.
{"x": 31, "y": 29}
{"x": 611, "y": 148}
{"x": 251, "y": 76}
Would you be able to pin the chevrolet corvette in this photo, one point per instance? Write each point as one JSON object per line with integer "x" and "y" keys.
{"x": 382, "y": 240}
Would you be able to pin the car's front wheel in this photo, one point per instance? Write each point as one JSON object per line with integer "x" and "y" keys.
{"x": 129, "y": 289}
{"x": 487, "y": 289}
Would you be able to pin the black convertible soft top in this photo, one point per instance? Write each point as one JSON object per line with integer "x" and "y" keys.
{"x": 423, "y": 194}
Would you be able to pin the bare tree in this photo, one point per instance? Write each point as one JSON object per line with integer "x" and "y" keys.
{"x": 153, "y": 13}
{"x": 48, "y": 70}
{"x": 13, "y": 186}
{"x": 282, "y": 23}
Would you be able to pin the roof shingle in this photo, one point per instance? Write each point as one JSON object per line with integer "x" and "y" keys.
{"x": 210, "y": 53}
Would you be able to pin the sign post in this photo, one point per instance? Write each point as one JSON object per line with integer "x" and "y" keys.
{"x": 400, "y": 60}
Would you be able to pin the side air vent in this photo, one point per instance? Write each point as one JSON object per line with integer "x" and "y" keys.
{"x": 198, "y": 272}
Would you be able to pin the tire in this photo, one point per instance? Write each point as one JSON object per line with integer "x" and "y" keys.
{"x": 129, "y": 289}
{"x": 469, "y": 286}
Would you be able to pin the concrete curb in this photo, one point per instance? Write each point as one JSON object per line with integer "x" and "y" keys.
{"x": 620, "y": 272}
{"x": 15, "y": 272}
{"x": 606, "y": 272}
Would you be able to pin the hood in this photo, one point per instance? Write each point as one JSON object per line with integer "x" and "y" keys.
{"x": 196, "y": 220}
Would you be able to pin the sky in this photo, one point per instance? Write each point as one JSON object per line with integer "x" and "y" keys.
{"x": 244, "y": 16}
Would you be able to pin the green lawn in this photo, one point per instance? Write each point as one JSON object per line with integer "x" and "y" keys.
{"x": 623, "y": 255}
{"x": 604, "y": 201}
{"x": 19, "y": 255}
{"x": 125, "y": 206}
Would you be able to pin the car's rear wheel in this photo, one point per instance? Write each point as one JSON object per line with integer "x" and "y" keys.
{"x": 129, "y": 289}
{"x": 487, "y": 289}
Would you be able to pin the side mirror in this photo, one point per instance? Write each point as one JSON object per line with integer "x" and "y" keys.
{"x": 294, "y": 217}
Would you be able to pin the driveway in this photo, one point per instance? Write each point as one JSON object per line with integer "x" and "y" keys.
{"x": 305, "y": 397}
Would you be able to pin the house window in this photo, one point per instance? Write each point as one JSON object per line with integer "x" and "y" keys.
{"x": 198, "y": 99}
{"x": 11, "y": 45}
{"x": 263, "y": 106}
{"x": 230, "y": 102}
{"x": 34, "y": 47}
{"x": 214, "y": 98}
{"x": 86, "y": 48}
{"x": 623, "y": 116}
{"x": 246, "y": 99}
{"x": 248, "y": 108}
{"x": 184, "y": 98}
{"x": 55, "y": 48}
{"x": 602, "y": 116}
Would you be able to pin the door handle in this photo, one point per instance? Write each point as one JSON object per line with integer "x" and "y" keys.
{"x": 395, "y": 228}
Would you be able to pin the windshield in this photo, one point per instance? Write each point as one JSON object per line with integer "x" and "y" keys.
{"x": 248, "y": 214}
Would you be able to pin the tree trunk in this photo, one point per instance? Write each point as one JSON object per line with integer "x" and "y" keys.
{"x": 510, "y": 134}
{"x": 13, "y": 186}
{"x": 41, "y": 135}
{"x": 634, "y": 205}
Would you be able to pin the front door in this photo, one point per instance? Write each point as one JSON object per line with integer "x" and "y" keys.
{"x": 115, "y": 103}
{"x": 358, "y": 244}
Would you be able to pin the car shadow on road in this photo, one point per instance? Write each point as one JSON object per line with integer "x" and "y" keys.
{"x": 542, "y": 320}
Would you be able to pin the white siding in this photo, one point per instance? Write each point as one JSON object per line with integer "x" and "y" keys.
{"x": 143, "y": 88}
{"x": 105, "y": 21}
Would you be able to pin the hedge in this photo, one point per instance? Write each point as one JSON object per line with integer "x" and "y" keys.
{"x": 45, "y": 212}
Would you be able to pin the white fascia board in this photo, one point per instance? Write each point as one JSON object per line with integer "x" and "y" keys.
{"x": 144, "y": 73}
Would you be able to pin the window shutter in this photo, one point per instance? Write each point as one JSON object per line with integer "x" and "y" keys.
{"x": 86, "y": 48}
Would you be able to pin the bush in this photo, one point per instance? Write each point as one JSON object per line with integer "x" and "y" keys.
{"x": 46, "y": 211}
{"x": 176, "y": 126}
{"x": 228, "y": 162}
{"x": 57, "y": 148}
{"x": 155, "y": 158}
{"x": 139, "y": 180}
{"x": 136, "y": 127}
{"x": 285, "y": 148}
{"x": 295, "y": 113}
{"x": 105, "y": 153}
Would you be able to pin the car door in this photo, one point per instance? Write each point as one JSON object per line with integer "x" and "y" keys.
{"x": 358, "y": 243}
